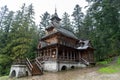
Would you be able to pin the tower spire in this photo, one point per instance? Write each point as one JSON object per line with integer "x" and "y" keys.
{"x": 55, "y": 16}
{"x": 55, "y": 10}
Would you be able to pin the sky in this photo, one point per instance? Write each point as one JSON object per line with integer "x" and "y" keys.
{"x": 41, "y": 6}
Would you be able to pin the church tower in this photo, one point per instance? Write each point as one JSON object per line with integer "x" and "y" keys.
{"x": 55, "y": 17}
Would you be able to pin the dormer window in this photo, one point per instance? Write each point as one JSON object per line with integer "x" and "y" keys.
{"x": 81, "y": 44}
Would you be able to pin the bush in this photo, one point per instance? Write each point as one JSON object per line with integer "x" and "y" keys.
{"x": 103, "y": 62}
{"x": 5, "y": 63}
{"x": 118, "y": 60}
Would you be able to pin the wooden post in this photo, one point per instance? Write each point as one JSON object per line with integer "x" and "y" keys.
{"x": 37, "y": 54}
{"x": 67, "y": 55}
{"x": 74, "y": 55}
{"x": 43, "y": 52}
{"x": 56, "y": 53}
{"x": 79, "y": 55}
{"x": 63, "y": 55}
{"x": 50, "y": 53}
{"x": 47, "y": 52}
{"x": 71, "y": 55}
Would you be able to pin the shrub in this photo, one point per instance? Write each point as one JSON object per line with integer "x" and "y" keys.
{"x": 118, "y": 60}
{"x": 5, "y": 63}
{"x": 103, "y": 62}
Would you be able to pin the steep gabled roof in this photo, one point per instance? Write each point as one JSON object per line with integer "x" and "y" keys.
{"x": 55, "y": 23}
{"x": 60, "y": 30}
{"x": 86, "y": 45}
{"x": 66, "y": 32}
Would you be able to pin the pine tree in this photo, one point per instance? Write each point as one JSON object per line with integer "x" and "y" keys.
{"x": 45, "y": 20}
{"x": 105, "y": 23}
{"x": 5, "y": 25}
{"x": 21, "y": 34}
{"x": 77, "y": 20}
{"x": 44, "y": 23}
{"x": 3, "y": 13}
{"x": 66, "y": 23}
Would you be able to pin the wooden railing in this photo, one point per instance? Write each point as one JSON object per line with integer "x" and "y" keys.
{"x": 84, "y": 61}
{"x": 19, "y": 62}
{"x": 45, "y": 58}
{"x": 30, "y": 66}
{"x": 39, "y": 64}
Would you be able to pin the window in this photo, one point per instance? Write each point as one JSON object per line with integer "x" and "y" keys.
{"x": 53, "y": 53}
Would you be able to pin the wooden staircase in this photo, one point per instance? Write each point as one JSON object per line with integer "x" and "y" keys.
{"x": 84, "y": 61}
{"x": 34, "y": 68}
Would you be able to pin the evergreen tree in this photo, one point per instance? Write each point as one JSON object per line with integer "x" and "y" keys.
{"x": 45, "y": 20}
{"x": 3, "y": 13}
{"x": 44, "y": 23}
{"x": 66, "y": 23}
{"x": 19, "y": 36}
{"x": 22, "y": 33}
{"x": 77, "y": 20}
{"x": 105, "y": 23}
{"x": 5, "y": 24}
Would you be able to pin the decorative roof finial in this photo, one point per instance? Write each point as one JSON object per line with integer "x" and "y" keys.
{"x": 55, "y": 16}
{"x": 55, "y": 9}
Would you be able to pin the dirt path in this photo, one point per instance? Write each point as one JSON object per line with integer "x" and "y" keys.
{"x": 77, "y": 74}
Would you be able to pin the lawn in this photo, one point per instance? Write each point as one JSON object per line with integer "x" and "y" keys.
{"x": 110, "y": 67}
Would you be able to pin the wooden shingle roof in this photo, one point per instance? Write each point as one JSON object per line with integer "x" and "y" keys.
{"x": 61, "y": 30}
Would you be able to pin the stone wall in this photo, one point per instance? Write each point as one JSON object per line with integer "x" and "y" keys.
{"x": 50, "y": 66}
{"x": 19, "y": 71}
{"x": 54, "y": 66}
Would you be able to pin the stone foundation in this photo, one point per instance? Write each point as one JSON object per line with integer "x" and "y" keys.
{"x": 54, "y": 66}
{"x": 19, "y": 71}
{"x": 50, "y": 66}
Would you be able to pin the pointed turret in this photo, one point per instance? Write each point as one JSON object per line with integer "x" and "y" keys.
{"x": 55, "y": 17}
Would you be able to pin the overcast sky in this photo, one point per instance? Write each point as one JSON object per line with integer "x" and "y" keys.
{"x": 41, "y": 6}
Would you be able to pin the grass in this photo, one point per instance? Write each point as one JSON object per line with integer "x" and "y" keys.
{"x": 118, "y": 60}
{"x": 111, "y": 68}
{"x": 103, "y": 62}
{"x": 4, "y": 78}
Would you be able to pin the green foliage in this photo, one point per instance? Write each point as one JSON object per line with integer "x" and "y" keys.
{"x": 43, "y": 24}
{"x": 103, "y": 62}
{"x": 110, "y": 69}
{"x": 18, "y": 36}
{"x": 4, "y": 78}
{"x": 118, "y": 60}
{"x": 77, "y": 20}
{"x": 66, "y": 23}
{"x": 5, "y": 63}
{"x": 45, "y": 20}
{"x": 102, "y": 24}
